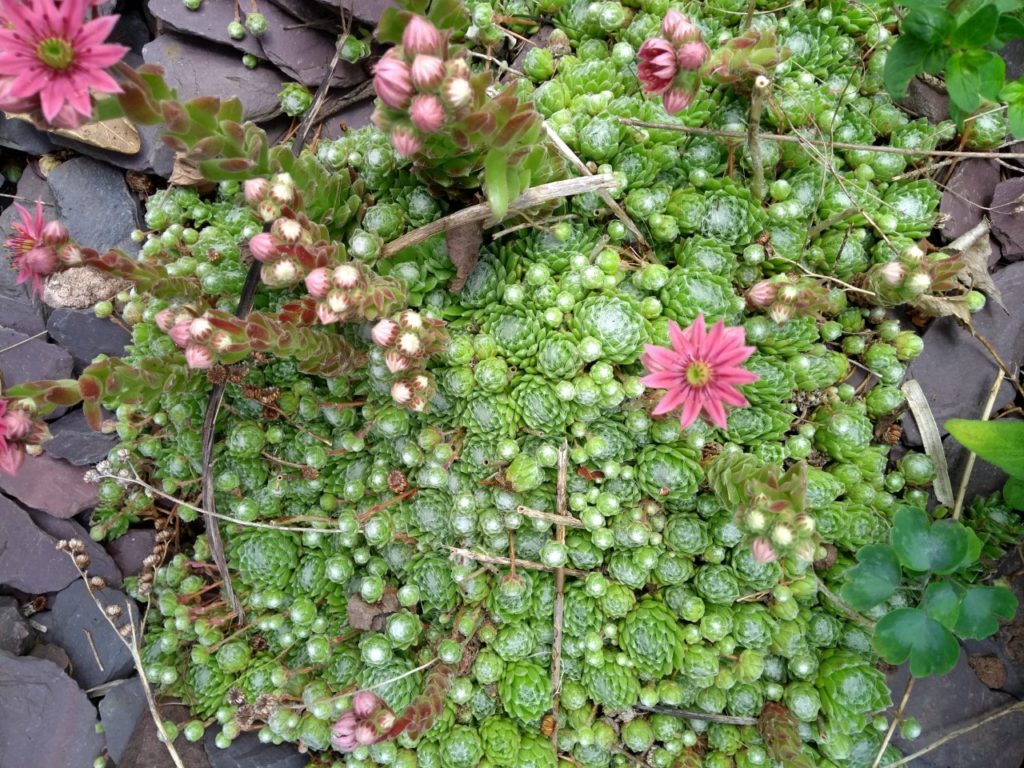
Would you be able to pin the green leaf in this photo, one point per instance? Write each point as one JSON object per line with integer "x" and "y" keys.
{"x": 997, "y": 442}
{"x": 874, "y": 579}
{"x": 909, "y": 633}
{"x": 1009, "y": 28}
{"x": 980, "y": 607}
{"x": 991, "y": 69}
{"x": 930, "y": 24}
{"x": 978, "y": 30}
{"x": 963, "y": 82}
{"x": 1013, "y": 493}
{"x": 906, "y": 58}
{"x": 496, "y": 183}
{"x": 940, "y": 546}
{"x": 973, "y": 549}
{"x": 942, "y": 603}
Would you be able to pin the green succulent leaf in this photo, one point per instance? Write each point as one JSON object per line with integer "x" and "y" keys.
{"x": 910, "y": 633}
{"x": 942, "y": 602}
{"x": 977, "y": 30}
{"x": 980, "y": 609}
{"x": 998, "y": 442}
{"x": 940, "y": 546}
{"x": 1013, "y": 493}
{"x": 874, "y": 579}
{"x": 496, "y": 182}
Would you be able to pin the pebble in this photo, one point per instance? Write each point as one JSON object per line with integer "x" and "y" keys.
{"x": 16, "y": 636}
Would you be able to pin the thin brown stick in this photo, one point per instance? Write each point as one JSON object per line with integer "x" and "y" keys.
{"x": 1017, "y": 706}
{"x": 1010, "y": 374}
{"x": 757, "y": 97}
{"x": 562, "y": 507}
{"x": 529, "y": 565}
{"x": 482, "y": 211}
{"x": 92, "y": 647}
{"x": 965, "y": 478}
{"x": 706, "y": 716}
{"x": 536, "y": 514}
{"x": 895, "y": 721}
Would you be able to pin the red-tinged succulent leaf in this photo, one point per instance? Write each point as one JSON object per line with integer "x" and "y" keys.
{"x": 234, "y": 131}
{"x": 203, "y": 110}
{"x": 175, "y": 117}
{"x": 780, "y": 731}
{"x": 93, "y": 414}
{"x": 231, "y": 110}
{"x": 89, "y": 387}
{"x": 207, "y": 148}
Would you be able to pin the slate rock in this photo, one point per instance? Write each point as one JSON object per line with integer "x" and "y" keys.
{"x": 46, "y": 721}
{"x": 16, "y": 636}
{"x": 33, "y": 360}
{"x": 24, "y": 137}
{"x": 29, "y": 560}
{"x": 248, "y": 752}
{"x": 31, "y": 187}
{"x": 197, "y": 69}
{"x": 366, "y": 11}
{"x": 131, "y": 549}
{"x": 76, "y": 442}
{"x": 955, "y": 370}
{"x": 22, "y": 316}
{"x": 95, "y": 204}
{"x": 1013, "y": 55}
{"x": 120, "y": 710}
{"x": 103, "y": 564}
{"x": 968, "y": 195}
{"x": 85, "y": 336}
{"x": 51, "y": 485}
{"x": 924, "y": 99}
{"x": 350, "y": 118}
{"x": 1008, "y": 217}
{"x": 72, "y": 614}
{"x": 943, "y": 703}
{"x": 311, "y": 12}
{"x": 53, "y": 653}
{"x": 145, "y": 750}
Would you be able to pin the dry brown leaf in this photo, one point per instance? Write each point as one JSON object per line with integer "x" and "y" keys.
{"x": 371, "y": 616}
{"x": 186, "y": 174}
{"x": 943, "y": 306}
{"x": 464, "y": 243}
{"x": 117, "y": 134}
{"x": 975, "y": 247}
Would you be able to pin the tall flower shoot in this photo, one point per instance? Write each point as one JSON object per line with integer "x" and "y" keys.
{"x": 52, "y": 58}
{"x": 670, "y": 66}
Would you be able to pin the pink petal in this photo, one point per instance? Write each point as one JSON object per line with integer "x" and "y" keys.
{"x": 715, "y": 411}
{"x": 663, "y": 380}
{"x": 691, "y": 410}
{"x": 672, "y": 400}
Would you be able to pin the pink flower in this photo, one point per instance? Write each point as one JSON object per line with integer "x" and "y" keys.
{"x": 180, "y": 333}
{"x": 16, "y": 423}
{"x": 658, "y": 66}
{"x": 701, "y": 371}
{"x": 11, "y": 456}
{"x": 427, "y": 113}
{"x": 364, "y": 703}
{"x": 55, "y": 233}
{"x": 198, "y": 356}
{"x": 427, "y": 71}
{"x": 35, "y": 265}
{"x": 343, "y": 732}
{"x": 318, "y": 282}
{"x": 763, "y": 552}
{"x": 384, "y": 332}
{"x": 761, "y": 293}
{"x": 53, "y": 56}
{"x": 405, "y": 142}
{"x": 32, "y": 246}
{"x": 420, "y": 36}
{"x": 678, "y": 99}
{"x": 27, "y": 233}
{"x": 691, "y": 56}
{"x": 262, "y": 246}
{"x": 678, "y": 28}
{"x": 893, "y": 272}
{"x": 393, "y": 81}
{"x": 165, "y": 319}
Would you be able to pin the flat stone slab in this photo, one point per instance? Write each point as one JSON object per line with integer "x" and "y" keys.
{"x": 120, "y": 710}
{"x": 247, "y": 751}
{"x": 46, "y": 721}
{"x": 131, "y": 549}
{"x": 95, "y": 204}
{"x": 16, "y": 636}
{"x": 1008, "y": 217}
{"x": 32, "y": 359}
{"x": 51, "y": 485}
{"x": 76, "y": 442}
{"x": 145, "y": 750}
{"x": 195, "y": 69}
{"x": 29, "y": 560}
{"x": 85, "y": 336}
{"x": 103, "y": 563}
{"x": 968, "y": 196}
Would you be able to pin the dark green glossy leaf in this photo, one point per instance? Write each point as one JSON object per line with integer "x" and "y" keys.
{"x": 909, "y": 633}
{"x": 991, "y": 69}
{"x": 997, "y": 442}
{"x": 940, "y": 546}
{"x": 942, "y": 602}
{"x": 963, "y": 82}
{"x": 930, "y": 24}
{"x": 1010, "y": 28}
{"x": 981, "y": 609}
{"x": 906, "y": 58}
{"x": 874, "y": 579}
{"x": 1013, "y": 493}
{"x": 977, "y": 30}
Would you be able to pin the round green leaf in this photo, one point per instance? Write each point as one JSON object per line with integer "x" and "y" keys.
{"x": 942, "y": 603}
{"x": 979, "y": 609}
{"x": 909, "y": 633}
{"x": 1013, "y": 493}
{"x": 940, "y": 546}
{"x": 875, "y": 577}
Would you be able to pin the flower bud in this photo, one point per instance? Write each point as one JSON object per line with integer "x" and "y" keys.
{"x": 282, "y": 189}
{"x": 763, "y": 552}
{"x": 780, "y": 313}
{"x": 268, "y": 210}
{"x": 346, "y": 276}
{"x": 419, "y": 382}
{"x": 325, "y": 315}
{"x": 288, "y": 230}
{"x": 761, "y": 294}
{"x": 198, "y": 356}
{"x": 70, "y": 254}
{"x": 893, "y": 272}
{"x": 409, "y": 344}
{"x": 401, "y": 392}
{"x": 691, "y": 56}
{"x": 54, "y": 233}
{"x": 396, "y": 361}
{"x": 364, "y": 734}
{"x": 200, "y": 329}
{"x": 318, "y": 282}
{"x": 678, "y": 28}
{"x": 678, "y": 99}
{"x": 338, "y": 301}
{"x": 384, "y": 332}
{"x": 220, "y": 341}
{"x": 458, "y": 92}
{"x": 410, "y": 319}
{"x": 255, "y": 190}
{"x": 180, "y": 334}
{"x": 364, "y": 703}
{"x": 281, "y": 273}
{"x": 17, "y": 424}
{"x": 782, "y": 535}
{"x": 919, "y": 283}
{"x": 756, "y": 520}
{"x": 405, "y": 142}
{"x": 417, "y": 404}
{"x": 165, "y": 319}
{"x": 262, "y": 246}
{"x": 427, "y": 72}
{"x": 420, "y": 36}
{"x": 805, "y": 523}
{"x": 427, "y": 113}
{"x": 392, "y": 79}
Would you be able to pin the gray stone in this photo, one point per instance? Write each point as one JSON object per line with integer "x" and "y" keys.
{"x": 53, "y": 653}
{"x": 120, "y": 709}
{"x": 351, "y": 118}
{"x": 74, "y": 620}
{"x": 366, "y": 11}
{"x": 1008, "y": 217}
{"x": 22, "y": 316}
{"x": 76, "y": 442}
{"x": 102, "y": 563}
{"x": 24, "y": 137}
{"x": 85, "y": 336}
{"x": 968, "y": 195}
{"x": 16, "y": 636}
{"x": 50, "y": 485}
{"x": 95, "y": 204}
{"x": 1013, "y": 55}
{"x": 46, "y": 721}
{"x": 145, "y": 750}
{"x": 248, "y": 752}
{"x": 311, "y": 12}
{"x": 195, "y": 69}
{"x": 31, "y": 187}
{"x": 925, "y": 99}
{"x": 131, "y": 549}
{"x": 33, "y": 360}
{"x": 955, "y": 370}
{"x": 943, "y": 703}
{"x": 29, "y": 560}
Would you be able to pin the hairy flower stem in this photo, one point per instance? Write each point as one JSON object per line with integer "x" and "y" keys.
{"x": 757, "y": 99}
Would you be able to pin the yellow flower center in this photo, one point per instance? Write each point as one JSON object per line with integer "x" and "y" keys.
{"x": 56, "y": 53}
{"x": 698, "y": 373}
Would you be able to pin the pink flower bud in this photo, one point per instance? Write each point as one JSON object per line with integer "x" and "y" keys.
{"x": 200, "y": 329}
{"x": 179, "y": 333}
{"x": 458, "y": 92}
{"x": 165, "y": 319}
{"x": 420, "y": 36}
{"x": 55, "y": 233}
{"x": 410, "y": 319}
{"x": 255, "y": 190}
{"x": 198, "y": 356}
{"x": 691, "y": 56}
{"x": 318, "y": 282}
{"x": 405, "y": 142}
{"x": 16, "y": 424}
{"x": 401, "y": 392}
{"x": 325, "y": 315}
{"x": 427, "y": 72}
{"x": 427, "y": 113}
{"x": 761, "y": 293}
{"x": 344, "y": 743}
{"x": 657, "y": 66}
{"x": 409, "y": 344}
{"x": 39, "y": 262}
{"x": 262, "y": 246}
{"x": 70, "y": 254}
{"x": 346, "y": 726}
{"x": 780, "y": 313}
{"x": 364, "y": 703}
{"x": 364, "y": 734}
{"x": 678, "y": 99}
{"x": 346, "y": 276}
{"x": 392, "y": 79}
{"x": 396, "y": 361}
{"x": 339, "y": 301}
{"x": 221, "y": 341}
{"x": 288, "y": 230}
{"x": 417, "y": 404}
{"x": 763, "y": 552}
{"x": 893, "y": 272}
{"x": 678, "y": 28}
{"x": 384, "y": 332}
